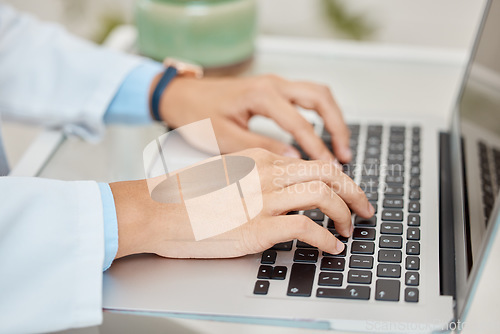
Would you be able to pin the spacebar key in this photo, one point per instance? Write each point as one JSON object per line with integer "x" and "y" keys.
{"x": 301, "y": 279}
{"x": 350, "y": 292}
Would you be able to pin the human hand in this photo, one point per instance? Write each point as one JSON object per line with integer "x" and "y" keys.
{"x": 231, "y": 102}
{"x": 288, "y": 184}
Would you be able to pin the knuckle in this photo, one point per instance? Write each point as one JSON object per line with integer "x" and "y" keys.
{"x": 324, "y": 89}
{"x": 265, "y": 83}
{"x": 272, "y": 77}
{"x": 302, "y": 226}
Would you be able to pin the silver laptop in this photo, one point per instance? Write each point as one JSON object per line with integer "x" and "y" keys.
{"x": 411, "y": 268}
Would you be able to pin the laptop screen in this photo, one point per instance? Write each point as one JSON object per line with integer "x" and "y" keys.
{"x": 478, "y": 143}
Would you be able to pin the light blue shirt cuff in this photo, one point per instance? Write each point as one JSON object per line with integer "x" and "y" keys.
{"x": 130, "y": 104}
{"x": 110, "y": 225}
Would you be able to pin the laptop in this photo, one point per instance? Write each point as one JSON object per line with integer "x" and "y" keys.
{"x": 410, "y": 268}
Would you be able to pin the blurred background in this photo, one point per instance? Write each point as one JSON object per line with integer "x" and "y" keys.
{"x": 435, "y": 23}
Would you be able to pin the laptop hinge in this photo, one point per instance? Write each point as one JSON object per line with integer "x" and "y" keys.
{"x": 446, "y": 235}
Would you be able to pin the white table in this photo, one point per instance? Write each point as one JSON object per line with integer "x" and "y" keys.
{"x": 365, "y": 78}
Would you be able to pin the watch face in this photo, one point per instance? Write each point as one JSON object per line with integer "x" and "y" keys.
{"x": 184, "y": 68}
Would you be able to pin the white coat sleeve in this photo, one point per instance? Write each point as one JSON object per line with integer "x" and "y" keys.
{"x": 52, "y": 78}
{"x": 51, "y": 254}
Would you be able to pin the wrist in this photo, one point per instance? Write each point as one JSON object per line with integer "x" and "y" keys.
{"x": 133, "y": 206}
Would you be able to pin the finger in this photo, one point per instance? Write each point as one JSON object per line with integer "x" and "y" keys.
{"x": 232, "y": 138}
{"x": 285, "y": 228}
{"x": 291, "y": 172}
{"x": 319, "y": 98}
{"x": 312, "y": 195}
{"x": 288, "y": 118}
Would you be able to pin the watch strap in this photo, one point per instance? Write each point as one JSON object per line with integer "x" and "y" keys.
{"x": 167, "y": 76}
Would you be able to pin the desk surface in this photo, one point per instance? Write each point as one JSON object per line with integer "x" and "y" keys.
{"x": 365, "y": 79}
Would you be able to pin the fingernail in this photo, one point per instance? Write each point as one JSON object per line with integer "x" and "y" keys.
{"x": 291, "y": 153}
{"x": 347, "y": 153}
{"x": 371, "y": 209}
{"x": 336, "y": 163}
{"x": 340, "y": 246}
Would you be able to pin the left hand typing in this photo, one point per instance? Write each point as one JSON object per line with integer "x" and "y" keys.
{"x": 231, "y": 102}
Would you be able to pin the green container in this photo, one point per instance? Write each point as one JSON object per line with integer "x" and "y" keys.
{"x": 211, "y": 33}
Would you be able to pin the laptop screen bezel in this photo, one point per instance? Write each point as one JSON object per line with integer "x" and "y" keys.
{"x": 464, "y": 278}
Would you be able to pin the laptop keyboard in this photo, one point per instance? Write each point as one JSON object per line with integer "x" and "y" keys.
{"x": 381, "y": 259}
{"x": 489, "y": 168}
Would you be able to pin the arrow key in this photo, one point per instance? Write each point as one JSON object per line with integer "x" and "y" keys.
{"x": 387, "y": 290}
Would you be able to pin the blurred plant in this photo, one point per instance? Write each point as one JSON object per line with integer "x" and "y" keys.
{"x": 354, "y": 26}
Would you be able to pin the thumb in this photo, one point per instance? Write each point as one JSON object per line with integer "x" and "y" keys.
{"x": 233, "y": 138}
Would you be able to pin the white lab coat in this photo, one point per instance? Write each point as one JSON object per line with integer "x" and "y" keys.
{"x": 51, "y": 232}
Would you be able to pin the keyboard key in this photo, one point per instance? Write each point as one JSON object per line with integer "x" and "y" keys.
{"x": 412, "y": 263}
{"x": 415, "y": 160}
{"x": 362, "y": 247}
{"x": 414, "y": 194}
{"x": 372, "y": 151}
{"x": 396, "y": 147}
{"x": 372, "y": 196}
{"x": 268, "y": 257}
{"x": 372, "y": 161}
{"x": 369, "y": 186}
{"x": 306, "y": 255}
{"x": 411, "y": 295}
{"x": 330, "y": 279}
{"x": 361, "y": 262}
{"x": 350, "y": 292}
{"x": 414, "y": 207}
{"x": 389, "y": 255}
{"x": 261, "y": 287}
{"x": 362, "y": 233}
{"x": 341, "y": 238}
{"x": 375, "y": 129}
{"x": 375, "y": 205}
{"x": 389, "y": 270}
{"x": 415, "y": 182}
{"x": 332, "y": 264}
{"x": 359, "y": 276}
{"x": 315, "y": 214}
{"x": 413, "y": 233}
{"x": 394, "y": 192}
{"x": 412, "y": 278}
{"x": 392, "y": 215}
{"x": 283, "y": 246}
{"x": 301, "y": 279}
{"x": 301, "y": 244}
{"x": 398, "y": 128}
{"x": 330, "y": 223}
{"x": 415, "y": 171}
{"x": 395, "y": 158}
{"x": 413, "y": 248}
{"x": 265, "y": 272}
{"x": 390, "y": 241}
{"x": 279, "y": 273}
{"x": 387, "y": 290}
{"x": 395, "y": 169}
{"x": 413, "y": 220}
{"x": 391, "y": 228}
{"x": 393, "y": 203}
{"x": 368, "y": 222}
